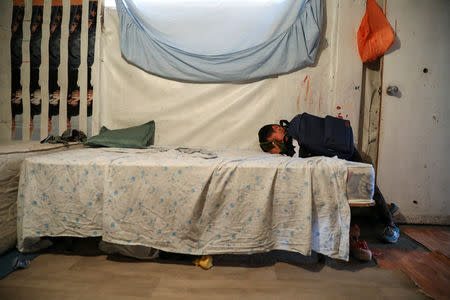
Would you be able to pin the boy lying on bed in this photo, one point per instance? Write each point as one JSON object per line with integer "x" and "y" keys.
{"x": 277, "y": 139}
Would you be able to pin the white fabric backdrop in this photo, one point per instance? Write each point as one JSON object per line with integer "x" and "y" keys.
{"x": 218, "y": 115}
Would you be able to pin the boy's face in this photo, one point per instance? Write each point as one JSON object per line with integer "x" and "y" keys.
{"x": 277, "y": 135}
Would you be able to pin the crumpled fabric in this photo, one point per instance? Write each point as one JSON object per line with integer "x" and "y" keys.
{"x": 68, "y": 136}
{"x": 219, "y": 41}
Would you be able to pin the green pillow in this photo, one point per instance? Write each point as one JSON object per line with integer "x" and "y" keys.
{"x": 132, "y": 137}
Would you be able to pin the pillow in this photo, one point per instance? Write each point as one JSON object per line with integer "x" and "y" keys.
{"x": 132, "y": 137}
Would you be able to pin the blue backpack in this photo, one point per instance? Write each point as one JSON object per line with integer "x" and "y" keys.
{"x": 329, "y": 136}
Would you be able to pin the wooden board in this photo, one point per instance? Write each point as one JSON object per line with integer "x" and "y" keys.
{"x": 362, "y": 204}
{"x": 433, "y": 239}
{"x": 430, "y": 270}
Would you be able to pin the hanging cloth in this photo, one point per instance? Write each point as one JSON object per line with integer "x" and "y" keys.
{"x": 219, "y": 41}
{"x": 375, "y": 34}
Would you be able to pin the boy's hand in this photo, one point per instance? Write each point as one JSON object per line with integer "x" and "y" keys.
{"x": 275, "y": 150}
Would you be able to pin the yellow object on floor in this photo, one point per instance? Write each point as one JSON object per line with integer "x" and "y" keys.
{"x": 206, "y": 262}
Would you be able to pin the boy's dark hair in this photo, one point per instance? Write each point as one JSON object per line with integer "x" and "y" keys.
{"x": 264, "y": 133}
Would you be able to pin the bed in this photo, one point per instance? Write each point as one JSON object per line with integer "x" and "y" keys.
{"x": 12, "y": 155}
{"x": 192, "y": 200}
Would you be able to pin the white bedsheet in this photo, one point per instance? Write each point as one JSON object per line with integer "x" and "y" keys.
{"x": 11, "y": 156}
{"x": 193, "y": 201}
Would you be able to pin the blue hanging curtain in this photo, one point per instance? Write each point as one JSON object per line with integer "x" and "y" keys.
{"x": 219, "y": 40}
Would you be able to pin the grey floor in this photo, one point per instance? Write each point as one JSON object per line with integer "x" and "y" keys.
{"x": 76, "y": 269}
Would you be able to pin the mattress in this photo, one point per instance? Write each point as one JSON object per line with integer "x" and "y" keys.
{"x": 11, "y": 156}
{"x": 192, "y": 200}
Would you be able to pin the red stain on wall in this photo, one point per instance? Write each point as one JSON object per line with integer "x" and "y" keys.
{"x": 307, "y": 90}
{"x": 340, "y": 114}
{"x": 307, "y": 96}
{"x": 305, "y": 81}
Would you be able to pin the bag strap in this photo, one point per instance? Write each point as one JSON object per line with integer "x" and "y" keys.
{"x": 284, "y": 123}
